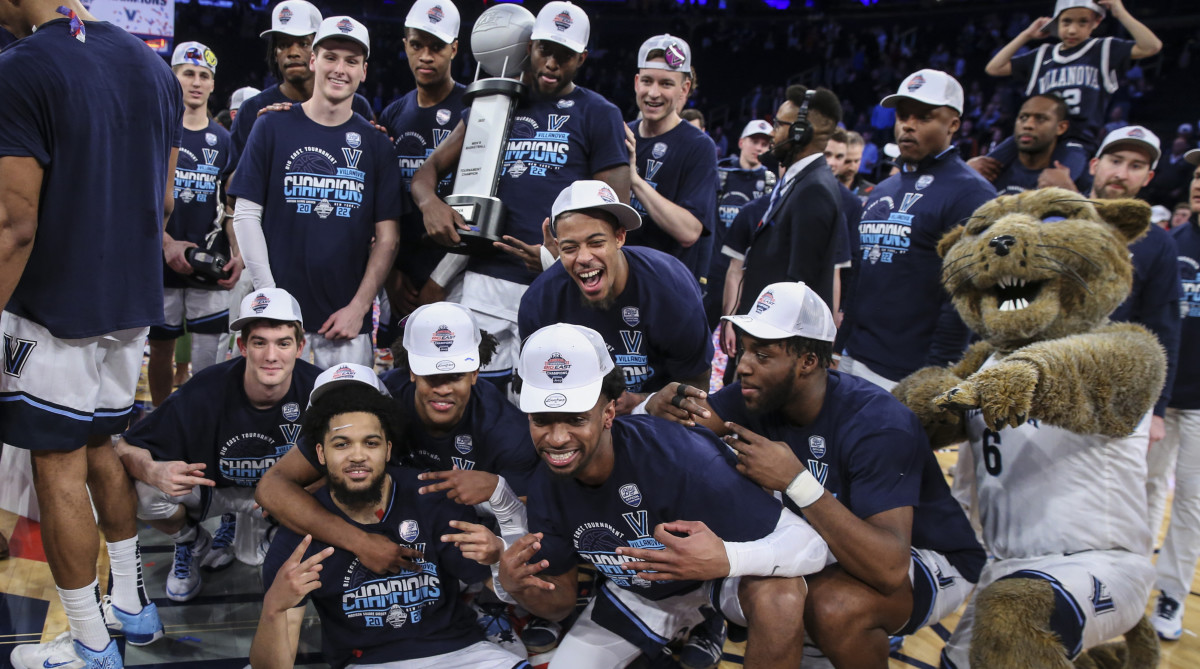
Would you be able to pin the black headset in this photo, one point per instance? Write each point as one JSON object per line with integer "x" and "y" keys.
{"x": 801, "y": 131}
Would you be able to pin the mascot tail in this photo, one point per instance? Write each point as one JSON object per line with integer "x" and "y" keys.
{"x": 1138, "y": 651}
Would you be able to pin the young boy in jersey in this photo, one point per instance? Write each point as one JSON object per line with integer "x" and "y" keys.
{"x": 201, "y": 178}
{"x": 1180, "y": 448}
{"x": 671, "y": 163}
{"x": 317, "y": 202}
{"x": 855, "y": 462}
{"x": 1080, "y": 69}
{"x": 82, "y": 206}
{"x": 603, "y": 489}
{"x": 638, "y": 298}
{"x": 740, "y": 179}
{"x": 560, "y": 134}
{"x": 294, "y": 24}
{"x": 368, "y": 618}
{"x": 417, "y": 124}
{"x": 205, "y": 449}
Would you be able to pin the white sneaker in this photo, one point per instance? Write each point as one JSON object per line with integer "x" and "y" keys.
{"x": 183, "y": 583}
{"x": 1168, "y": 618}
{"x": 65, "y": 653}
{"x": 221, "y": 554}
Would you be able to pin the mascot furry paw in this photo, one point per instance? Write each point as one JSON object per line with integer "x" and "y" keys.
{"x": 1053, "y": 401}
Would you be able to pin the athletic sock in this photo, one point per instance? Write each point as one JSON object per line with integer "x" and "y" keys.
{"x": 84, "y": 616}
{"x": 128, "y": 588}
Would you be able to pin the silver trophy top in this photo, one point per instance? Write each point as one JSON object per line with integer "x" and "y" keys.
{"x": 500, "y": 40}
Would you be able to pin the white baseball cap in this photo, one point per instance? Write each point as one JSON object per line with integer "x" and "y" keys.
{"x": 441, "y": 338}
{"x": 592, "y": 194}
{"x": 785, "y": 310}
{"x": 344, "y": 27}
{"x": 933, "y": 87}
{"x": 1159, "y": 213}
{"x": 274, "y": 304}
{"x": 345, "y": 373}
{"x": 564, "y": 23}
{"x": 241, "y": 95}
{"x": 676, "y": 54}
{"x": 1063, "y": 5}
{"x": 562, "y": 369}
{"x": 758, "y": 127}
{"x": 294, "y": 17}
{"x": 1133, "y": 134}
{"x": 437, "y": 17}
{"x": 1192, "y": 156}
{"x": 194, "y": 53}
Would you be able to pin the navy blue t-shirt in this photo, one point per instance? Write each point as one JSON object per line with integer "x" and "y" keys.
{"x": 416, "y": 131}
{"x": 662, "y": 472}
{"x": 1186, "y": 392}
{"x": 680, "y": 165}
{"x": 741, "y": 232}
{"x": 900, "y": 318}
{"x": 205, "y": 162}
{"x": 322, "y": 190}
{"x": 100, "y": 117}
{"x": 1084, "y": 77}
{"x": 1016, "y": 178}
{"x": 871, "y": 453}
{"x": 736, "y": 187}
{"x": 492, "y": 436}
{"x": 655, "y": 329}
{"x": 369, "y": 618}
{"x": 210, "y": 420}
{"x": 552, "y": 144}
{"x": 248, "y": 114}
{"x": 1154, "y": 299}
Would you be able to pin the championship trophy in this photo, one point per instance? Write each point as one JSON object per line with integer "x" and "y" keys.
{"x": 499, "y": 42}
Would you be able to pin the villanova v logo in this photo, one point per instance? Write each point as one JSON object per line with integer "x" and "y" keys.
{"x": 352, "y": 157}
{"x": 16, "y": 354}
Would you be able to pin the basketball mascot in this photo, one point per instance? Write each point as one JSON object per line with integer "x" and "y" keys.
{"x": 1054, "y": 402}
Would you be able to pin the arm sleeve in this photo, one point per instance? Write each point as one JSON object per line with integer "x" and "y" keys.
{"x": 165, "y": 433}
{"x": 509, "y": 512}
{"x": 247, "y": 225}
{"x": 21, "y": 116}
{"x": 698, "y": 190}
{"x": 793, "y": 548}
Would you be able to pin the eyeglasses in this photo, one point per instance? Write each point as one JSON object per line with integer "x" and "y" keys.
{"x": 777, "y": 124}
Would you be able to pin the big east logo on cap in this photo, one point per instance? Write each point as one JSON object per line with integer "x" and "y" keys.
{"x": 435, "y": 14}
{"x": 285, "y": 15}
{"x": 1136, "y": 133}
{"x": 674, "y": 56}
{"x": 563, "y": 21}
{"x": 607, "y": 195}
{"x": 915, "y": 83}
{"x": 557, "y": 367}
{"x": 343, "y": 372}
{"x": 765, "y": 302}
{"x": 345, "y": 26}
{"x": 260, "y": 303}
{"x": 443, "y": 338}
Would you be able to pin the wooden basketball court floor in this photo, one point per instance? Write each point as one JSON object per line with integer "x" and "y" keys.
{"x": 215, "y": 629}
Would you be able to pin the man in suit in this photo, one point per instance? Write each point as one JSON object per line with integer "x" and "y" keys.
{"x": 803, "y": 233}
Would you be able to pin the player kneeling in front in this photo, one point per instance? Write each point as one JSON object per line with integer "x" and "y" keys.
{"x": 370, "y": 619}
{"x": 607, "y": 487}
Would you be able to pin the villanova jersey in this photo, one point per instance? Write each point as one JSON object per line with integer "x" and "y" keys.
{"x": 210, "y": 420}
{"x": 870, "y": 452}
{"x": 552, "y": 144}
{"x": 205, "y": 162}
{"x": 662, "y": 472}
{"x": 322, "y": 190}
{"x": 371, "y": 619}
{"x": 1186, "y": 394}
{"x": 416, "y": 132}
{"x": 655, "y": 329}
{"x": 1044, "y": 490}
{"x": 100, "y": 117}
{"x": 680, "y": 165}
{"x": 1085, "y": 78}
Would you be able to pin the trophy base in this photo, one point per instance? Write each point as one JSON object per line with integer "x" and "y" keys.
{"x": 485, "y": 215}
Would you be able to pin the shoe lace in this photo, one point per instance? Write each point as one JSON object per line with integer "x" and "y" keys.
{"x": 1167, "y": 607}
{"x": 224, "y": 534}
{"x": 183, "y": 560}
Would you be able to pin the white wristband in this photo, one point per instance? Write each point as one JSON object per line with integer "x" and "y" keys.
{"x": 547, "y": 257}
{"x": 805, "y": 489}
{"x": 640, "y": 410}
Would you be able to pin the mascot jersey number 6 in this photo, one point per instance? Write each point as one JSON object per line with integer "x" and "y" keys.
{"x": 1054, "y": 402}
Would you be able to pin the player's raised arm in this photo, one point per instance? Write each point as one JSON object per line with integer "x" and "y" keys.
{"x": 1146, "y": 43}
